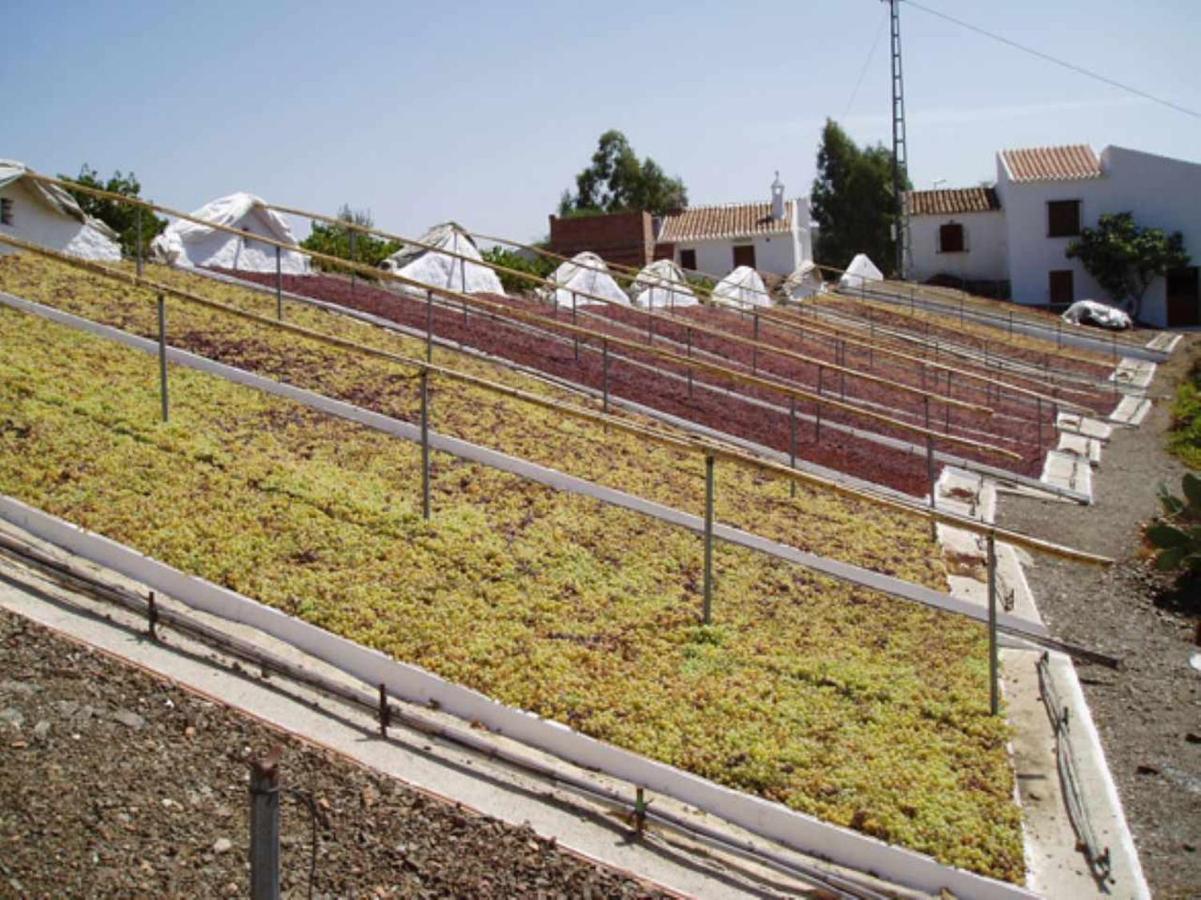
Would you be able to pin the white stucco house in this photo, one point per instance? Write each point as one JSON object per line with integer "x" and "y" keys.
{"x": 1018, "y": 230}
{"x": 45, "y": 214}
{"x": 774, "y": 237}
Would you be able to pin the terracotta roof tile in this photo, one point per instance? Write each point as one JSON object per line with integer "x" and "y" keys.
{"x": 953, "y": 201}
{"x": 1052, "y": 163}
{"x": 734, "y": 220}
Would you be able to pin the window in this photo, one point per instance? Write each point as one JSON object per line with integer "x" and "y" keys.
{"x": 688, "y": 259}
{"x": 1063, "y": 218}
{"x": 1062, "y": 289}
{"x": 6, "y": 211}
{"x": 744, "y": 255}
{"x": 950, "y": 238}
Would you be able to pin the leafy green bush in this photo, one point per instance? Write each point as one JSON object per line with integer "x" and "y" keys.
{"x": 334, "y": 240}
{"x": 1185, "y": 440}
{"x": 1177, "y": 535}
{"x": 541, "y": 266}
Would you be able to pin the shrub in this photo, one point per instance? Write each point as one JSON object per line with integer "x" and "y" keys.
{"x": 1185, "y": 440}
{"x": 541, "y": 266}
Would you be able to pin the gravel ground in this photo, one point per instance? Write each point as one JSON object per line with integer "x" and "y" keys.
{"x": 1149, "y": 712}
{"x": 116, "y": 783}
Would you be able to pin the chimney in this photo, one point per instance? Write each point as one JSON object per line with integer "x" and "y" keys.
{"x": 777, "y": 199}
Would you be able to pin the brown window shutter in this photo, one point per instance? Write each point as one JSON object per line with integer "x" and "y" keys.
{"x": 950, "y": 238}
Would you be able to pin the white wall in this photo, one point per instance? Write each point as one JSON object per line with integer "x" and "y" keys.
{"x": 985, "y": 256}
{"x": 1160, "y": 192}
{"x": 776, "y": 253}
{"x": 36, "y": 222}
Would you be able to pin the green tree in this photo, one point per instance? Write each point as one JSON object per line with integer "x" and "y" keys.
{"x": 617, "y": 181}
{"x": 533, "y": 264}
{"x": 334, "y": 240}
{"x": 1125, "y": 258}
{"x": 120, "y": 217}
{"x": 852, "y": 201}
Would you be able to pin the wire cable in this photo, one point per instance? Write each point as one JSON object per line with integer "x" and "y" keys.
{"x": 871, "y": 54}
{"x": 1057, "y": 61}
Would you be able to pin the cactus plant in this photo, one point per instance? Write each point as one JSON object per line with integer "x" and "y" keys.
{"x": 1177, "y": 535}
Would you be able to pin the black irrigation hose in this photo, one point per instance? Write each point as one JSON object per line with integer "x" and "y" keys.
{"x": 307, "y": 799}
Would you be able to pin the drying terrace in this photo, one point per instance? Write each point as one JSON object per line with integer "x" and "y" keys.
{"x": 806, "y": 691}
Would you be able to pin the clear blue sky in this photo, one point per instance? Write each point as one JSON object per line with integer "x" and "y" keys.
{"x": 483, "y": 112}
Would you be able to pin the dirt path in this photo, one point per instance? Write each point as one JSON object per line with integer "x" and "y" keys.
{"x": 1148, "y": 713}
{"x": 115, "y": 783}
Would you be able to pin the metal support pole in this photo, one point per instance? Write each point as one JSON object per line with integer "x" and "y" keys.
{"x": 429, "y": 326}
{"x": 264, "y": 827}
{"x": 994, "y": 700}
{"x": 152, "y": 617}
{"x": 279, "y": 288}
{"x": 576, "y": 337}
{"x": 162, "y": 356}
{"x": 138, "y": 215}
{"x": 755, "y": 346}
{"x": 792, "y": 441}
{"x": 605, "y": 375}
{"x": 425, "y": 444}
{"x": 385, "y": 712}
{"x": 351, "y": 241}
{"x": 1039, "y": 407}
{"x": 926, "y": 409}
{"x": 817, "y": 424}
{"x": 933, "y": 486}
{"x": 708, "y": 537}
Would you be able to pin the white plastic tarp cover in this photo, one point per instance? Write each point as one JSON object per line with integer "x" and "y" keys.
{"x": 584, "y": 274}
{"x": 82, "y": 236}
{"x": 1090, "y": 312}
{"x": 804, "y": 282}
{"x": 742, "y": 287}
{"x": 185, "y": 243}
{"x": 662, "y": 284}
{"x": 860, "y": 272}
{"x": 442, "y": 270}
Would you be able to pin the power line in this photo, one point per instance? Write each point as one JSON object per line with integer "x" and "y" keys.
{"x": 1059, "y": 62}
{"x": 866, "y": 63}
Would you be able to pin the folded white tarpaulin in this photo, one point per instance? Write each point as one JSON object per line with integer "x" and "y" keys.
{"x": 860, "y": 272}
{"x": 584, "y": 274}
{"x": 51, "y": 218}
{"x": 662, "y": 284}
{"x": 742, "y": 287}
{"x": 443, "y": 270}
{"x": 1090, "y": 312}
{"x": 804, "y": 282}
{"x": 185, "y": 243}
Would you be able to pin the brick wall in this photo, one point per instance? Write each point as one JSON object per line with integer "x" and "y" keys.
{"x": 624, "y": 238}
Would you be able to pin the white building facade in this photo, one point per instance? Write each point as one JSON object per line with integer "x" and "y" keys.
{"x": 773, "y": 237}
{"x": 1019, "y": 231}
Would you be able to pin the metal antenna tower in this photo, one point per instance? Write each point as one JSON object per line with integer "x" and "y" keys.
{"x": 900, "y": 163}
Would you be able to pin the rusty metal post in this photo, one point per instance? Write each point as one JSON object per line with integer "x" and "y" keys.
{"x": 994, "y": 700}
{"x": 709, "y": 488}
{"x": 264, "y": 827}
{"x": 817, "y": 424}
{"x": 384, "y": 711}
{"x": 425, "y": 444}
{"x": 162, "y": 357}
{"x": 1039, "y": 413}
